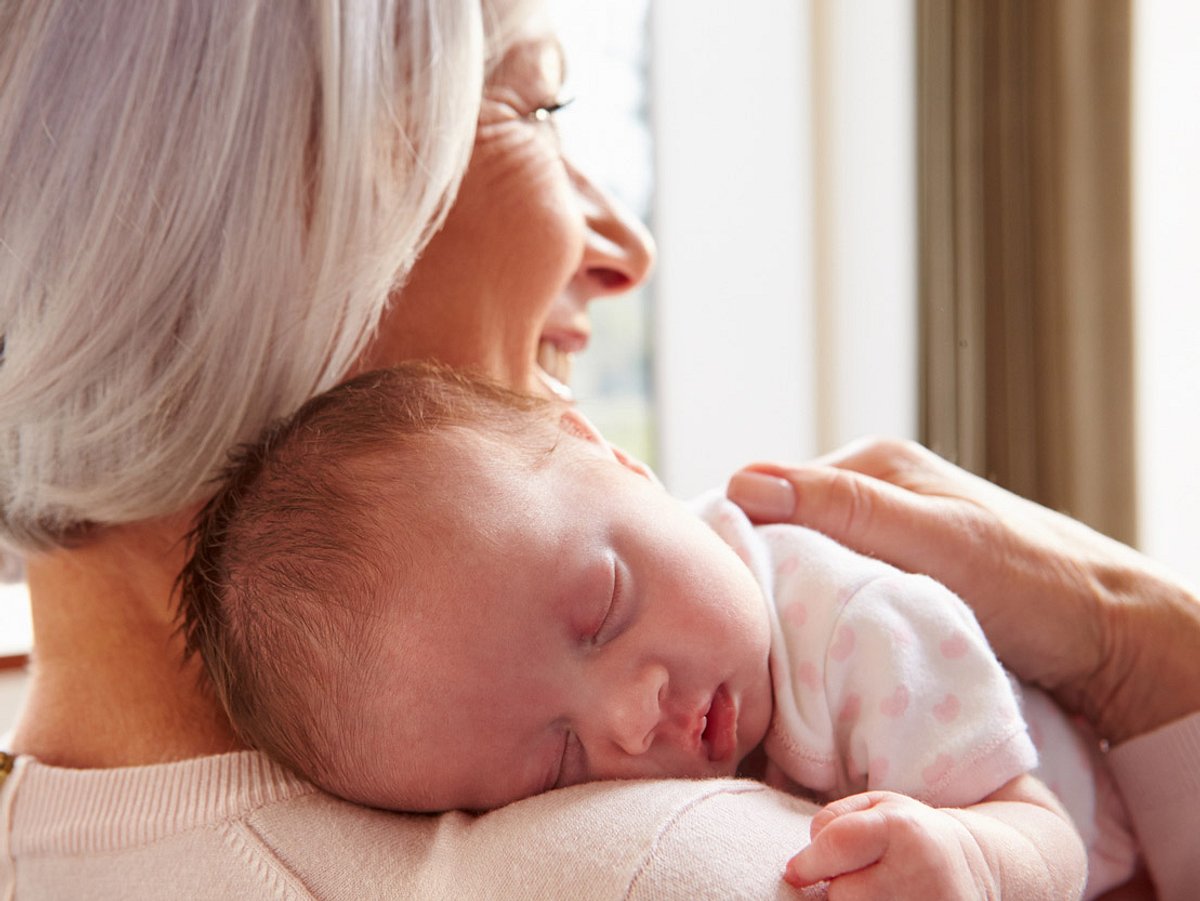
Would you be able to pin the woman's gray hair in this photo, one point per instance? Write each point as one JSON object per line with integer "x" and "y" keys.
{"x": 203, "y": 209}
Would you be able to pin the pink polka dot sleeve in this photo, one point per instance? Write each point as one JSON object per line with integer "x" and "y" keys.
{"x": 884, "y": 680}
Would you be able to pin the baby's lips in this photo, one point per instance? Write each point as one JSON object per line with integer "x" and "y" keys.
{"x": 720, "y": 730}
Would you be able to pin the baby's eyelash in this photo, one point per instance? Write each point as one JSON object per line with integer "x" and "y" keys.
{"x": 562, "y": 762}
{"x": 613, "y": 602}
{"x": 546, "y": 111}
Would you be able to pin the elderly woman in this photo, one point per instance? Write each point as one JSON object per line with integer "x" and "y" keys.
{"x": 205, "y": 209}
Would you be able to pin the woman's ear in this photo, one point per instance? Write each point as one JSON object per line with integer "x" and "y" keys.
{"x": 575, "y": 423}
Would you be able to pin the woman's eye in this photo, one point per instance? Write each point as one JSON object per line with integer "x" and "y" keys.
{"x": 545, "y": 112}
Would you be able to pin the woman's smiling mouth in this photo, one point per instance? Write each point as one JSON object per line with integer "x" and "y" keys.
{"x": 556, "y": 359}
{"x": 554, "y": 368}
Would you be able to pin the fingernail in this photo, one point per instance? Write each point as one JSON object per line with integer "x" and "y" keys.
{"x": 791, "y": 877}
{"x": 762, "y": 496}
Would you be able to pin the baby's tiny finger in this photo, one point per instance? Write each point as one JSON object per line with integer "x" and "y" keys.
{"x": 846, "y": 844}
{"x": 840, "y": 808}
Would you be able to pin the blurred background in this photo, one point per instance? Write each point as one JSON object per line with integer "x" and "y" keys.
{"x": 972, "y": 223}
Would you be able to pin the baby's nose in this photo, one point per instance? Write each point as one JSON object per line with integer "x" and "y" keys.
{"x": 636, "y": 711}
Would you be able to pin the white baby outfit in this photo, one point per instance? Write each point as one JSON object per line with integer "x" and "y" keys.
{"x": 884, "y": 680}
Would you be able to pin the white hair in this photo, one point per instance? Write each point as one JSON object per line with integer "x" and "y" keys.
{"x": 203, "y": 209}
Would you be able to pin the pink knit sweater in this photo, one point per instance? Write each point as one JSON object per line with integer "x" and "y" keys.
{"x": 237, "y": 826}
{"x": 1159, "y": 777}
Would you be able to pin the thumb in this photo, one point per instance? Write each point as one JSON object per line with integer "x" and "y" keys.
{"x": 867, "y": 514}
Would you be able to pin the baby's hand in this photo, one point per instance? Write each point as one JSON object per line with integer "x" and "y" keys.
{"x": 883, "y": 845}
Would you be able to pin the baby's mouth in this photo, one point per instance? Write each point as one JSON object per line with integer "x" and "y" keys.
{"x": 555, "y": 365}
{"x": 718, "y": 735}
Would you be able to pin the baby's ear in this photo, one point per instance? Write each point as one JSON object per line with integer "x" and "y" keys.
{"x": 575, "y": 423}
{"x": 633, "y": 464}
{"x": 580, "y": 426}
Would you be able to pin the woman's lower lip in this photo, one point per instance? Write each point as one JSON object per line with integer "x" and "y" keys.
{"x": 720, "y": 730}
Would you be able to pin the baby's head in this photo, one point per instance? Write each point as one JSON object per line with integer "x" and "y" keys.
{"x": 424, "y": 592}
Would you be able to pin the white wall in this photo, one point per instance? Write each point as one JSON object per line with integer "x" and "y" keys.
{"x": 734, "y": 329}
{"x": 785, "y": 215}
{"x": 1167, "y": 230}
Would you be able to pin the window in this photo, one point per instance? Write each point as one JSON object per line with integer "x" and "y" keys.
{"x": 785, "y": 214}
{"x": 606, "y": 132}
{"x": 16, "y": 630}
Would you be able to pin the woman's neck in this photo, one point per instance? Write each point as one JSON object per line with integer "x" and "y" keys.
{"x": 108, "y": 685}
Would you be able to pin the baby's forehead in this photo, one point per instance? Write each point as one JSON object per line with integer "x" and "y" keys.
{"x": 445, "y": 484}
{"x": 478, "y": 453}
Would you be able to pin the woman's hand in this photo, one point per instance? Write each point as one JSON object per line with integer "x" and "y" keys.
{"x": 1106, "y": 630}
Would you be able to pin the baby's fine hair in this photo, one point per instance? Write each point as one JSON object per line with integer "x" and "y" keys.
{"x": 293, "y": 554}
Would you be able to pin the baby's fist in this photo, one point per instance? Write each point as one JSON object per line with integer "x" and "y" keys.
{"x": 884, "y": 845}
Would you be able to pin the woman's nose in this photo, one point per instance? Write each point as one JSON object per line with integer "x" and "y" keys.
{"x": 619, "y": 252}
{"x": 635, "y": 709}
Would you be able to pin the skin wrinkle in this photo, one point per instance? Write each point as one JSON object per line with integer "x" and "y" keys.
{"x": 521, "y": 244}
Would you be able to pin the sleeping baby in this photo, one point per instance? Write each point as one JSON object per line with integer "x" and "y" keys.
{"x": 424, "y": 592}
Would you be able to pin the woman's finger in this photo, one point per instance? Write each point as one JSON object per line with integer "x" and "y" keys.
{"x": 878, "y": 457}
{"x": 869, "y": 515}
